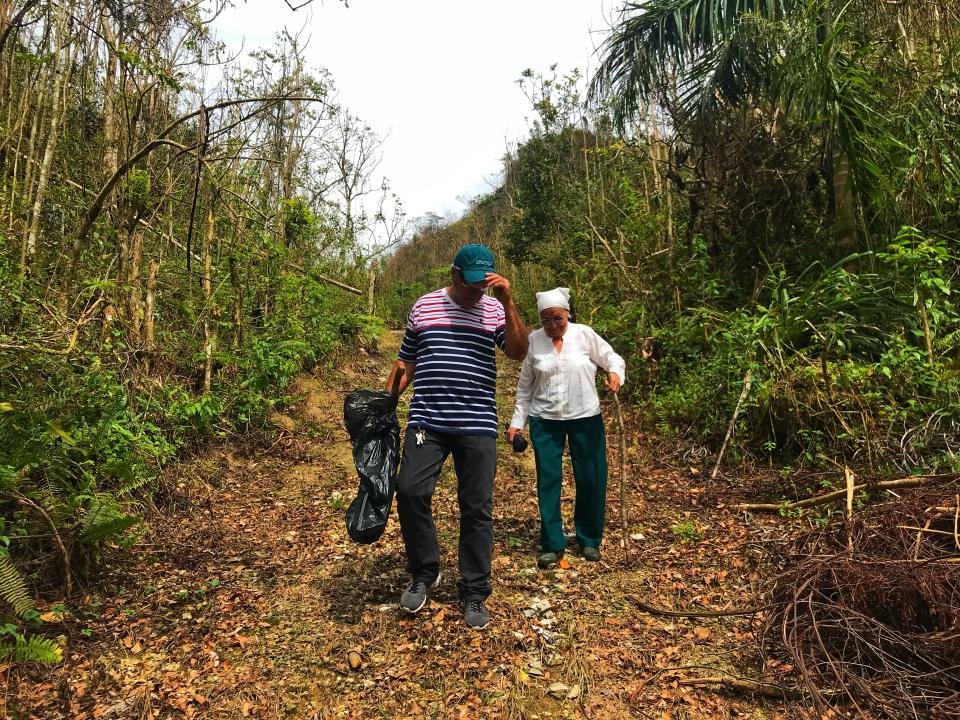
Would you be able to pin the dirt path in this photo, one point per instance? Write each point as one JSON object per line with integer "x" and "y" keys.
{"x": 246, "y": 599}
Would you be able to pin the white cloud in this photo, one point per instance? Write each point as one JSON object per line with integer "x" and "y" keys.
{"x": 437, "y": 77}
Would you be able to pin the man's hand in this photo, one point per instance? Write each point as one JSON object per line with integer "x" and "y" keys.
{"x": 516, "y": 340}
{"x": 612, "y": 382}
{"x": 501, "y": 287}
{"x": 401, "y": 375}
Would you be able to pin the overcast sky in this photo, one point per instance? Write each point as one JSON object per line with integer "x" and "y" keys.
{"x": 436, "y": 77}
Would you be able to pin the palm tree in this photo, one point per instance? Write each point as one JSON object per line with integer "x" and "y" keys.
{"x": 792, "y": 53}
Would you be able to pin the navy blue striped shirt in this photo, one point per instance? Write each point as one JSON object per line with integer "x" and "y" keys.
{"x": 455, "y": 379}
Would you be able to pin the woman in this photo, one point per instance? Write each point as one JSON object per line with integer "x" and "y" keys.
{"x": 557, "y": 391}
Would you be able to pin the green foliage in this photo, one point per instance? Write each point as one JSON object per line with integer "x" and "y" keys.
{"x": 103, "y": 518}
{"x": 136, "y": 188}
{"x": 191, "y": 415}
{"x": 114, "y": 356}
{"x": 399, "y": 298}
{"x": 300, "y": 225}
{"x": 364, "y": 329}
{"x": 13, "y": 589}
{"x": 28, "y": 649}
{"x": 837, "y": 363}
{"x": 686, "y": 532}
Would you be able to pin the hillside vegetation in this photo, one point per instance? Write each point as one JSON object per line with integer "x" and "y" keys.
{"x": 769, "y": 200}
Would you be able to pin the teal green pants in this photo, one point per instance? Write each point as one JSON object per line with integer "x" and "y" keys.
{"x": 588, "y": 451}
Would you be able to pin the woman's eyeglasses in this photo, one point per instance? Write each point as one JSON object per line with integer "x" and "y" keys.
{"x": 554, "y": 320}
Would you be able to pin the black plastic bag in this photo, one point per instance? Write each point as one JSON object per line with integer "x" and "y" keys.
{"x": 371, "y": 420}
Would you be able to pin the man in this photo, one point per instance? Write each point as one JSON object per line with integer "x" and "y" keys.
{"x": 448, "y": 353}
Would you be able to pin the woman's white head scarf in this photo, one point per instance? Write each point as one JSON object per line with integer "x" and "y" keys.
{"x": 558, "y": 297}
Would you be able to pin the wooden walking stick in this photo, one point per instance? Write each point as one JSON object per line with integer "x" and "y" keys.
{"x": 623, "y": 474}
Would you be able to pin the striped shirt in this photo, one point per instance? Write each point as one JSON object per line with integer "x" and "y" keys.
{"x": 455, "y": 378}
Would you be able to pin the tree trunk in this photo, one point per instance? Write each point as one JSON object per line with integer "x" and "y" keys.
{"x": 135, "y": 294}
{"x": 149, "y": 309}
{"x": 209, "y": 327}
{"x": 237, "y": 302}
{"x": 925, "y": 323}
{"x": 845, "y": 221}
{"x": 653, "y": 147}
{"x": 110, "y": 121}
{"x": 58, "y": 107}
{"x": 109, "y": 315}
{"x": 17, "y": 158}
{"x": 372, "y": 275}
{"x": 39, "y": 115}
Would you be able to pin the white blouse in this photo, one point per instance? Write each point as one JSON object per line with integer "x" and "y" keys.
{"x": 561, "y": 385}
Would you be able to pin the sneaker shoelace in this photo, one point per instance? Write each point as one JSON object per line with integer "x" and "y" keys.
{"x": 475, "y": 605}
{"x": 417, "y": 587}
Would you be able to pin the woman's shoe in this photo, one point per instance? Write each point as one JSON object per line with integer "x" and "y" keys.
{"x": 591, "y": 553}
{"x": 549, "y": 559}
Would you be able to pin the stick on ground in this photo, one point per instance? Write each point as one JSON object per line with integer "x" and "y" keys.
{"x": 908, "y": 482}
{"x": 747, "y": 382}
{"x": 623, "y": 475}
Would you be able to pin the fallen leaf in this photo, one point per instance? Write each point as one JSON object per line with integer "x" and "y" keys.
{"x": 53, "y": 616}
{"x": 355, "y": 660}
{"x": 564, "y": 564}
{"x": 702, "y": 633}
{"x": 558, "y": 690}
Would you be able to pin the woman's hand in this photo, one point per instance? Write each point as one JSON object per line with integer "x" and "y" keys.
{"x": 510, "y": 433}
{"x": 612, "y": 382}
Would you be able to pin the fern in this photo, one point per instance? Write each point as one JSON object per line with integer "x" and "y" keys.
{"x": 140, "y": 475}
{"x": 119, "y": 469}
{"x": 13, "y": 589}
{"x": 31, "y": 649}
{"x": 103, "y": 508}
{"x": 108, "y": 528}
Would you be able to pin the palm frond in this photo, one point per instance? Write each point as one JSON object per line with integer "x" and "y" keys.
{"x": 655, "y": 36}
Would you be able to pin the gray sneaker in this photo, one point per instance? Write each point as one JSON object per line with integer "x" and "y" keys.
{"x": 475, "y": 613}
{"x": 415, "y": 596}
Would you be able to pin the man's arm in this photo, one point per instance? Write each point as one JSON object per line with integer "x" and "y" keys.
{"x": 400, "y": 376}
{"x": 515, "y": 333}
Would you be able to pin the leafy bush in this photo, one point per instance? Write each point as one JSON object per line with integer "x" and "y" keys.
{"x": 838, "y": 361}
{"x": 80, "y": 442}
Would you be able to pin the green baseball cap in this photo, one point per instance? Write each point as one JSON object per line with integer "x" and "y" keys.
{"x": 474, "y": 261}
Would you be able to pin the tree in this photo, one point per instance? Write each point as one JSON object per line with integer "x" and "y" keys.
{"x": 810, "y": 61}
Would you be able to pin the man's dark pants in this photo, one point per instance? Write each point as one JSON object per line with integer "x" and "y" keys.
{"x": 475, "y": 461}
